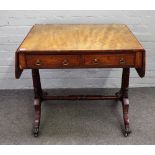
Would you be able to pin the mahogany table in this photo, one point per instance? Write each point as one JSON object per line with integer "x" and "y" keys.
{"x": 80, "y": 46}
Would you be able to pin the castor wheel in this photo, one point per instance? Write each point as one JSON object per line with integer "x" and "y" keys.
{"x": 36, "y": 132}
{"x": 127, "y": 132}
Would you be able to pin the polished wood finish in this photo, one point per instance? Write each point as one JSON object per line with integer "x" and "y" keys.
{"x": 37, "y": 100}
{"x": 76, "y": 61}
{"x": 80, "y": 46}
{"x": 125, "y": 100}
{"x": 107, "y": 60}
{"x": 80, "y": 40}
{"x": 47, "y": 61}
{"x": 79, "y": 37}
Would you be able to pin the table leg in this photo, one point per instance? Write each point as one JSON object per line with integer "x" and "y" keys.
{"x": 125, "y": 100}
{"x": 39, "y": 96}
{"x": 37, "y": 100}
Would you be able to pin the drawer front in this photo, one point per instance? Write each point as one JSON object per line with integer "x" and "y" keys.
{"x": 109, "y": 60}
{"x": 52, "y": 61}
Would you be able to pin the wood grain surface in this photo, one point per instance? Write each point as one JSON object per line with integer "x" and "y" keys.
{"x": 79, "y": 37}
{"x": 80, "y": 46}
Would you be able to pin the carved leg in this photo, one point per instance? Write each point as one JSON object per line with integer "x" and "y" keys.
{"x": 125, "y": 105}
{"x": 37, "y": 107}
{"x": 37, "y": 100}
{"x": 125, "y": 100}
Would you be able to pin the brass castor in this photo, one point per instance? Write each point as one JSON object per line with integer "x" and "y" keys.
{"x": 127, "y": 131}
{"x": 36, "y": 131}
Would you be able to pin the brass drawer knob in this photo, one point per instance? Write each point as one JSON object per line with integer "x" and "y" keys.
{"x": 38, "y": 62}
{"x": 65, "y": 62}
{"x": 122, "y": 61}
{"x": 95, "y": 61}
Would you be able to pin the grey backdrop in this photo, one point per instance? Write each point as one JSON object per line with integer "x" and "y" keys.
{"x": 14, "y": 25}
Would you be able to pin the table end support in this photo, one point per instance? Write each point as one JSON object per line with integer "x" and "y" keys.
{"x": 37, "y": 107}
{"x": 123, "y": 93}
{"x": 37, "y": 100}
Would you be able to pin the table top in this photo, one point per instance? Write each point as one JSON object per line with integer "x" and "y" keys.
{"x": 49, "y": 37}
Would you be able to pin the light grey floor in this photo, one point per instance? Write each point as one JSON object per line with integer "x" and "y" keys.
{"x": 77, "y": 122}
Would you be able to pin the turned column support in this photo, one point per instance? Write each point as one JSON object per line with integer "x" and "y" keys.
{"x": 125, "y": 100}
{"x": 36, "y": 83}
{"x": 37, "y": 100}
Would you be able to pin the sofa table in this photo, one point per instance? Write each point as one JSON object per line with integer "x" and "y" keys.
{"x": 80, "y": 46}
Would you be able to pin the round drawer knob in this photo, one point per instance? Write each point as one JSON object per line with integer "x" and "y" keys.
{"x": 122, "y": 61}
{"x": 38, "y": 62}
{"x": 65, "y": 62}
{"x": 95, "y": 61}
